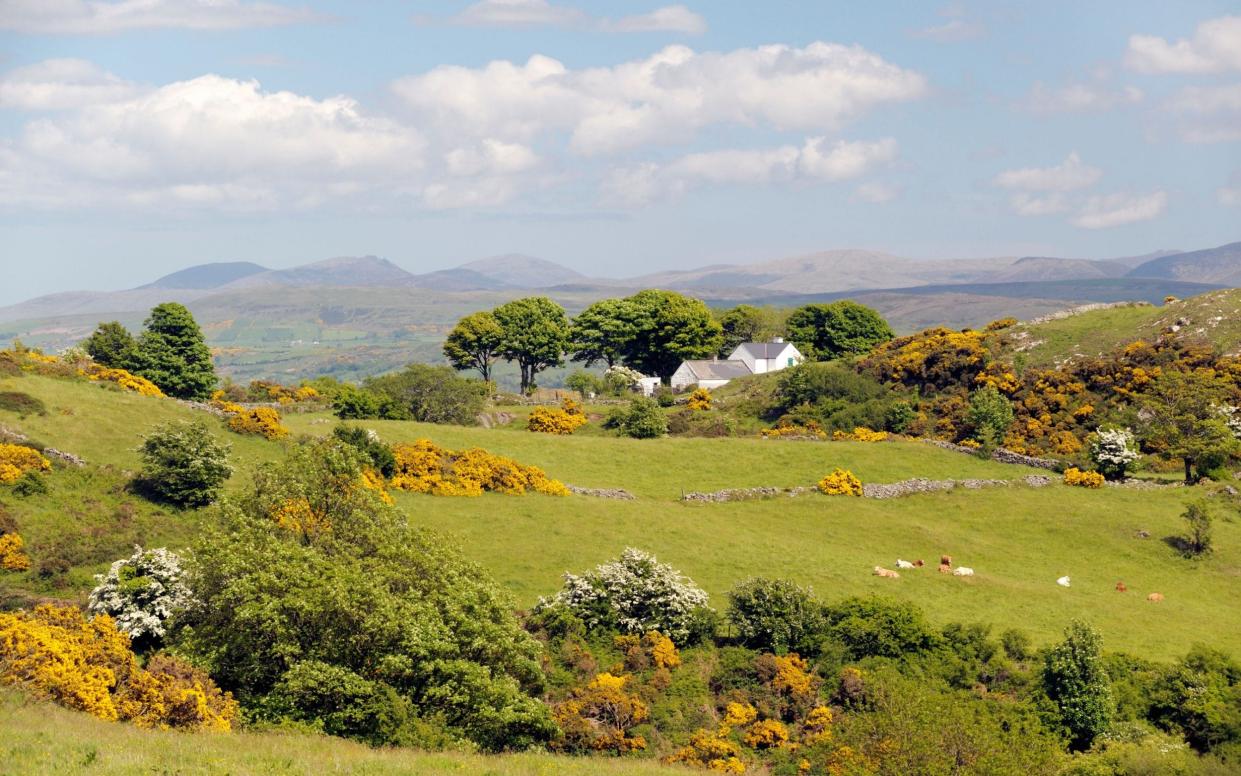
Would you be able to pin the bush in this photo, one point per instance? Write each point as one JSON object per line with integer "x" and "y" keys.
{"x": 1074, "y": 678}
{"x": 31, "y": 483}
{"x": 353, "y": 403}
{"x": 183, "y": 464}
{"x": 643, "y": 419}
{"x": 989, "y": 416}
{"x": 367, "y": 442}
{"x": 633, "y": 594}
{"x": 586, "y": 383}
{"x": 22, "y": 403}
{"x": 430, "y": 394}
{"x": 374, "y": 606}
{"x": 1113, "y": 452}
{"x": 424, "y": 467}
{"x": 877, "y": 627}
{"x": 776, "y": 615}
{"x": 12, "y": 553}
{"x": 546, "y": 420}
{"x": 841, "y": 482}
{"x": 142, "y": 593}
{"x": 126, "y": 380}
{"x": 17, "y": 460}
{"x": 1078, "y": 478}
{"x": 263, "y": 421}
{"x": 1196, "y": 541}
{"x": 700, "y": 399}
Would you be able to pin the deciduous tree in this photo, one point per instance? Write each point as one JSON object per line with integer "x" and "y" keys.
{"x": 474, "y": 343}
{"x": 536, "y": 335}
{"x": 845, "y": 328}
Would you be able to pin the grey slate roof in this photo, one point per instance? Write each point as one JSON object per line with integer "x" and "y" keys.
{"x": 718, "y": 370}
{"x": 764, "y": 349}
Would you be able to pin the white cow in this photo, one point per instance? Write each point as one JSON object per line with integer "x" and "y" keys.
{"x": 1063, "y": 581}
{"x": 963, "y": 571}
{"x": 903, "y": 564}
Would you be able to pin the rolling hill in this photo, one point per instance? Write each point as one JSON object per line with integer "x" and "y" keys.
{"x": 1220, "y": 265}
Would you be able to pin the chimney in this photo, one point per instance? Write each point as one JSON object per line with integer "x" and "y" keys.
{"x": 777, "y": 339}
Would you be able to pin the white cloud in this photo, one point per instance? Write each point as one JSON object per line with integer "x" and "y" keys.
{"x": 1069, "y": 175}
{"x": 61, "y": 84}
{"x": 97, "y": 17}
{"x": 208, "y": 141}
{"x": 1106, "y": 211}
{"x": 1024, "y": 204}
{"x": 815, "y": 161}
{"x": 877, "y": 192}
{"x": 1208, "y": 114}
{"x": 542, "y": 13}
{"x": 1214, "y": 48}
{"x": 953, "y": 31}
{"x": 666, "y": 97}
{"x": 1079, "y": 98}
{"x": 1229, "y": 195}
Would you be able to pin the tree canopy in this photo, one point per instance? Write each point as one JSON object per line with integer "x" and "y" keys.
{"x": 174, "y": 355}
{"x": 113, "y": 346}
{"x": 536, "y": 335}
{"x": 603, "y": 331}
{"x": 669, "y": 328}
{"x": 1181, "y": 412}
{"x": 474, "y": 343}
{"x": 845, "y": 328}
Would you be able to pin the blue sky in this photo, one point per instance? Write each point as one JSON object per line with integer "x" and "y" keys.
{"x": 141, "y": 136}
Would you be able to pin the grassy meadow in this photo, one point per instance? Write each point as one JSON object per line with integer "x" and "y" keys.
{"x": 1017, "y": 538}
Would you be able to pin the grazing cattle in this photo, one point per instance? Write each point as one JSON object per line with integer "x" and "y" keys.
{"x": 1063, "y": 582}
{"x": 1155, "y": 598}
{"x": 880, "y": 571}
{"x": 945, "y": 560}
{"x": 903, "y": 564}
{"x": 1120, "y": 587}
{"x": 963, "y": 571}
{"x": 919, "y": 563}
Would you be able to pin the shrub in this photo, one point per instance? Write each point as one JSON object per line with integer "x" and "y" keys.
{"x": 545, "y": 420}
{"x": 1074, "y": 678}
{"x": 776, "y": 615}
{"x": 1197, "y": 538}
{"x": 55, "y": 654}
{"x": 367, "y": 442}
{"x": 767, "y": 734}
{"x": 183, "y": 464}
{"x": 861, "y": 434}
{"x": 353, "y": 403}
{"x": 142, "y": 593}
{"x": 709, "y": 749}
{"x": 990, "y": 414}
{"x": 1076, "y": 477}
{"x": 264, "y": 421}
{"x": 424, "y": 467}
{"x": 1113, "y": 451}
{"x": 841, "y": 482}
{"x": 173, "y": 353}
{"x": 431, "y": 394}
{"x": 599, "y": 717}
{"x": 643, "y": 419}
{"x": 31, "y": 483}
{"x": 12, "y": 554}
{"x": 585, "y": 383}
{"x": 22, "y": 403}
{"x": 876, "y": 627}
{"x": 125, "y": 379}
{"x": 394, "y": 610}
{"x": 787, "y": 428}
{"x": 17, "y": 460}
{"x": 633, "y": 594}
{"x": 899, "y": 416}
{"x": 700, "y": 399}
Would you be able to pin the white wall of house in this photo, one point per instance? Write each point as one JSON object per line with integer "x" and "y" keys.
{"x": 682, "y": 377}
{"x": 648, "y": 385}
{"x": 788, "y": 356}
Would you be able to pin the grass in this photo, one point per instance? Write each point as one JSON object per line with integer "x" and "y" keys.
{"x": 42, "y": 738}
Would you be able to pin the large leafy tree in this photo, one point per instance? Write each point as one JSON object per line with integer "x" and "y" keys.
{"x": 828, "y": 331}
{"x": 536, "y": 335}
{"x": 431, "y": 394}
{"x": 669, "y": 328}
{"x": 603, "y": 331}
{"x": 1075, "y": 679}
{"x": 474, "y": 343}
{"x": 174, "y": 355}
{"x": 321, "y": 604}
{"x": 112, "y": 346}
{"x": 1183, "y": 419}
{"x": 747, "y": 323}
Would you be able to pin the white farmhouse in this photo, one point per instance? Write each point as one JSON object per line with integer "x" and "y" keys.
{"x": 749, "y": 358}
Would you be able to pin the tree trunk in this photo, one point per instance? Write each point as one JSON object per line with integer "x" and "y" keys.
{"x": 1189, "y": 471}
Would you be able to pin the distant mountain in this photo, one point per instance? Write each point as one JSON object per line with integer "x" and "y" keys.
{"x": 521, "y": 271}
{"x": 1043, "y": 268}
{"x": 203, "y": 276}
{"x": 345, "y": 271}
{"x": 459, "y": 279}
{"x": 1221, "y": 266}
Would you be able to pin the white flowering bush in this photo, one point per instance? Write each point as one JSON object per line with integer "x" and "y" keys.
{"x": 1231, "y": 416}
{"x": 634, "y": 594}
{"x": 1113, "y": 452}
{"x": 142, "y": 593}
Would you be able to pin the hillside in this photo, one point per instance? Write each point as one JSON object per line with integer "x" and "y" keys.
{"x": 521, "y": 271}
{"x": 1220, "y": 265}
{"x": 209, "y": 275}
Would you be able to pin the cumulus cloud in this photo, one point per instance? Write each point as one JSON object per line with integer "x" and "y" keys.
{"x": 1214, "y": 48}
{"x": 1110, "y": 210}
{"x": 542, "y": 13}
{"x": 667, "y": 97}
{"x": 1079, "y": 98}
{"x": 1069, "y": 175}
{"x": 97, "y": 17}
{"x": 958, "y": 27}
{"x": 1024, "y": 204}
{"x": 816, "y": 160}
{"x": 61, "y": 84}
{"x": 1208, "y": 114}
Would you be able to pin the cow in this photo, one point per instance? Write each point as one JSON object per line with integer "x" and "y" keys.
{"x": 1155, "y": 598}
{"x": 880, "y": 571}
{"x": 904, "y": 564}
{"x": 963, "y": 571}
{"x": 1120, "y": 587}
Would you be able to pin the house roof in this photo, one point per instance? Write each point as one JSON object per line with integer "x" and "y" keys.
{"x": 718, "y": 370}
{"x": 763, "y": 349}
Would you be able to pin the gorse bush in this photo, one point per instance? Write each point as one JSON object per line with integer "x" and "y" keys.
{"x": 634, "y": 594}
{"x": 378, "y": 626}
{"x": 54, "y": 653}
{"x": 565, "y": 420}
{"x": 12, "y": 553}
{"x": 424, "y": 467}
{"x": 841, "y": 482}
{"x": 125, "y": 379}
{"x": 700, "y": 399}
{"x": 1077, "y": 477}
{"x": 17, "y": 460}
{"x": 142, "y": 593}
{"x": 263, "y": 421}
{"x": 183, "y": 464}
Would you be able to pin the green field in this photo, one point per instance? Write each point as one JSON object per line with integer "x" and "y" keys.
{"x": 1018, "y": 539}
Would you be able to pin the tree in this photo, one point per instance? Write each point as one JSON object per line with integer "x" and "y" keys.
{"x": 829, "y": 331}
{"x": 142, "y": 593}
{"x": 1075, "y": 679}
{"x": 603, "y": 331}
{"x": 669, "y": 328}
{"x": 536, "y": 335}
{"x": 474, "y": 343}
{"x": 1113, "y": 451}
{"x": 1181, "y": 414}
{"x": 372, "y": 625}
{"x": 430, "y": 394}
{"x": 112, "y": 346}
{"x": 990, "y": 414}
{"x": 776, "y": 615}
{"x": 1197, "y": 539}
{"x": 183, "y": 464}
{"x": 174, "y": 355}
{"x": 746, "y": 323}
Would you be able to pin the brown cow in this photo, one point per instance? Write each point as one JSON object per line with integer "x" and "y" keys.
{"x": 1155, "y": 597}
{"x": 887, "y": 573}
{"x": 919, "y": 563}
{"x": 1120, "y": 587}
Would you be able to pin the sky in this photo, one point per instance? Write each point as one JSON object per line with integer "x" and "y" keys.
{"x": 138, "y": 137}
